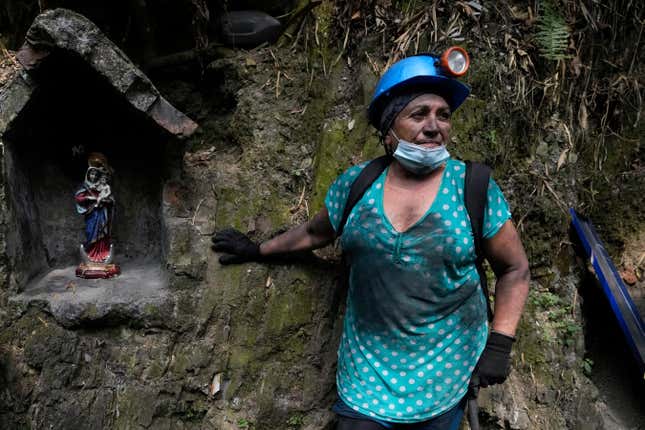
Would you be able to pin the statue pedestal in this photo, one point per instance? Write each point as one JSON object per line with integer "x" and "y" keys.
{"x": 97, "y": 270}
{"x": 139, "y": 296}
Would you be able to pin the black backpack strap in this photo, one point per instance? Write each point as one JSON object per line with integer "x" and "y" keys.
{"x": 475, "y": 196}
{"x": 367, "y": 176}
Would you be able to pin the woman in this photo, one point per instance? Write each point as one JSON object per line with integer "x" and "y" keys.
{"x": 415, "y": 328}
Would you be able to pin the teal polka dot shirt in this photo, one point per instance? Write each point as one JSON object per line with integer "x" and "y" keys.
{"x": 415, "y": 323}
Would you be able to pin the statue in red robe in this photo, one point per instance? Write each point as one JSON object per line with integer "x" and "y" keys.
{"x": 94, "y": 200}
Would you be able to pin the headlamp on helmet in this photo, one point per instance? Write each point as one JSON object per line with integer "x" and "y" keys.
{"x": 455, "y": 61}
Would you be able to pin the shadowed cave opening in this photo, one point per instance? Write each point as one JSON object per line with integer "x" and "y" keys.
{"x": 614, "y": 369}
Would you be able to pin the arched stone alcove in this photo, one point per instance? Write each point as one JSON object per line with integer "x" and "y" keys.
{"x": 74, "y": 93}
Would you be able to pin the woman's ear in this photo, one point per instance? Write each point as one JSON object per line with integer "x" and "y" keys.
{"x": 389, "y": 144}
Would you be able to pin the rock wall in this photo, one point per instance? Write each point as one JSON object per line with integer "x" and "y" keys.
{"x": 254, "y": 346}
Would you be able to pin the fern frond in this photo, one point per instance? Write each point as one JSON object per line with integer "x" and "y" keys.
{"x": 552, "y": 36}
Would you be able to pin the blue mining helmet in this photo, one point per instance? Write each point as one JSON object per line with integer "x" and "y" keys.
{"x": 428, "y": 72}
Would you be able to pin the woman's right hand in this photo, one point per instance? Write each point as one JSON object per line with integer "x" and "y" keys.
{"x": 236, "y": 246}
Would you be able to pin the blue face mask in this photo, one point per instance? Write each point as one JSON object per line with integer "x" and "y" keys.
{"x": 418, "y": 159}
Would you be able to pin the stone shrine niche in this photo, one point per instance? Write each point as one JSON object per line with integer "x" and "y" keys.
{"x": 72, "y": 115}
{"x": 78, "y": 94}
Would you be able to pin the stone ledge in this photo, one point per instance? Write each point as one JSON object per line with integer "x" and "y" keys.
{"x": 139, "y": 296}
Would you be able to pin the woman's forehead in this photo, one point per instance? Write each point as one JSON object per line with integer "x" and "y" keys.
{"x": 429, "y": 99}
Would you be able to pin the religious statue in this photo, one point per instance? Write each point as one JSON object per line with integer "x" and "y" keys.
{"x": 95, "y": 201}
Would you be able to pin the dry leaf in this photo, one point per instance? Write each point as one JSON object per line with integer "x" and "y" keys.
{"x": 562, "y": 159}
{"x": 583, "y": 116}
{"x": 216, "y": 384}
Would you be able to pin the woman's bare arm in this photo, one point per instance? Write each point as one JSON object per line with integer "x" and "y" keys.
{"x": 508, "y": 260}
{"x": 315, "y": 233}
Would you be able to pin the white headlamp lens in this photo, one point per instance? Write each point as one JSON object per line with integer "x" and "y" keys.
{"x": 457, "y": 62}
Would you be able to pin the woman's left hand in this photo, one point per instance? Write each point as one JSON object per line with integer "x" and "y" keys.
{"x": 494, "y": 365}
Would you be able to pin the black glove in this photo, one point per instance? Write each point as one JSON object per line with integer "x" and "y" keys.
{"x": 236, "y": 246}
{"x": 495, "y": 363}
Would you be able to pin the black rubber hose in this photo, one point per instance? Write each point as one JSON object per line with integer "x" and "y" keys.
{"x": 473, "y": 414}
{"x": 473, "y": 408}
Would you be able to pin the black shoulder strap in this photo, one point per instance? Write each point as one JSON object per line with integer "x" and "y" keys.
{"x": 475, "y": 194}
{"x": 367, "y": 176}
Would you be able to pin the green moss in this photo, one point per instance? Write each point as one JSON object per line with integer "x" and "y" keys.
{"x": 328, "y": 166}
{"x": 482, "y": 72}
{"x": 532, "y": 347}
{"x": 321, "y": 51}
{"x": 288, "y": 308}
{"x": 563, "y": 261}
{"x": 238, "y": 207}
{"x": 256, "y": 300}
{"x": 274, "y": 379}
{"x": 270, "y": 341}
{"x": 211, "y": 296}
{"x": 246, "y": 332}
{"x": 548, "y": 330}
{"x": 551, "y": 321}
{"x": 243, "y": 423}
{"x": 293, "y": 348}
{"x": 246, "y": 361}
{"x": 43, "y": 340}
{"x": 324, "y": 17}
{"x": 240, "y": 357}
{"x": 295, "y": 420}
{"x": 136, "y": 406}
{"x": 131, "y": 363}
{"x": 189, "y": 358}
{"x": 91, "y": 312}
{"x": 480, "y": 135}
{"x": 152, "y": 312}
{"x": 192, "y": 411}
{"x": 229, "y": 282}
{"x": 339, "y": 148}
{"x": 154, "y": 370}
